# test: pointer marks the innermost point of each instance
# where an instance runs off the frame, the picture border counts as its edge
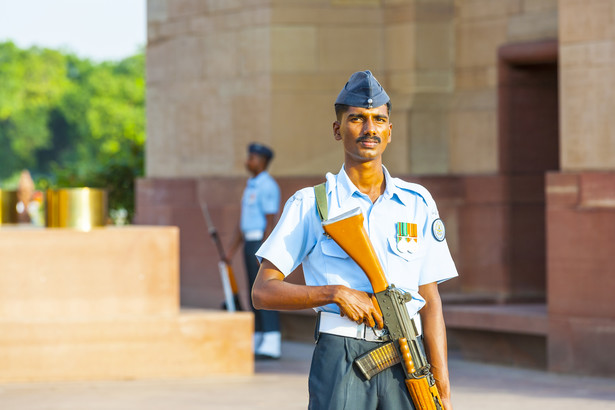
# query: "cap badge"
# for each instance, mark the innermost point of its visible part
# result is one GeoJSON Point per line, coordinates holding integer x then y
{"type": "Point", "coordinates": [438, 230]}
{"type": "Point", "coordinates": [407, 237]}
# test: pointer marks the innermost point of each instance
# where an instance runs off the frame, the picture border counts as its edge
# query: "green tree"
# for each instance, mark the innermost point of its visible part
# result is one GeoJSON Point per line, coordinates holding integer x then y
{"type": "Point", "coordinates": [73, 122]}
{"type": "Point", "coordinates": [31, 84]}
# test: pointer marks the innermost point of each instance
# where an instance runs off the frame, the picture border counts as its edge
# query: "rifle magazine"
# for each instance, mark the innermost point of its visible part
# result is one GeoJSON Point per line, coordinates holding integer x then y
{"type": "Point", "coordinates": [377, 360]}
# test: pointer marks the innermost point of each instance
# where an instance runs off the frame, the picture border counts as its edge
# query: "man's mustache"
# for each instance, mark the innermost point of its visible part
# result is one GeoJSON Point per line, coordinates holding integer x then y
{"type": "Point", "coordinates": [368, 138]}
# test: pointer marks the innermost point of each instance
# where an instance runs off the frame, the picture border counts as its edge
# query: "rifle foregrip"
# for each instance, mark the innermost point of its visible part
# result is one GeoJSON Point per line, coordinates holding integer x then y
{"type": "Point", "coordinates": [424, 396]}
{"type": "Point", "coordinates": [406, 356]}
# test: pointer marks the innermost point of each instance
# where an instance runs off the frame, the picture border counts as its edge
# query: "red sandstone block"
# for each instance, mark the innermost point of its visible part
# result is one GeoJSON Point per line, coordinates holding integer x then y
{"type": "Point", "coordinates": [581, 275]}
{"type": "Point", "coordinates": [485, 189]}
{"type": "Point", "coordinates": [581, 345]}
{"type": "Point", "coordinates": [562, 189]}
{"type": "Point", "coordinates": [482, 244]}
{"type": "Point", "coordinates": [597, 189]}
{"type": "Point", "coordinates": [171, 191]}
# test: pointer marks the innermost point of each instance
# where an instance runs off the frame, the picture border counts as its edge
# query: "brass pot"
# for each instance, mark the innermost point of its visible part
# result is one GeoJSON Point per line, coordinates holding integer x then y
{"type": "Point", "coordinates": [8, 207]}
{"type": "Point", "coordinates": [78, 208]}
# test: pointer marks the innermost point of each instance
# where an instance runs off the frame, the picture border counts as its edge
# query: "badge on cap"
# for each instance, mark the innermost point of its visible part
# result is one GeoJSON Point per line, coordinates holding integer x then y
{"type": "Point", "coordinates": [407, 237]}
{"type": "Point", "coordinates": [438, 230]}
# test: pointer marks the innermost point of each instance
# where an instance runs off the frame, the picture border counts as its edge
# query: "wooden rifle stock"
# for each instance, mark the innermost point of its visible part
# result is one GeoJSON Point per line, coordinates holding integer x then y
{"type": "Point", "coordinates": [348, 232]}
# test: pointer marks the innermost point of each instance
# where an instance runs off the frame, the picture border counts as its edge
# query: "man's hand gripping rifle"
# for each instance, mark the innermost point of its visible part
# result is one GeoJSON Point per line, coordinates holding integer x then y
{"type": "Point", "coordinates": [404, 344]}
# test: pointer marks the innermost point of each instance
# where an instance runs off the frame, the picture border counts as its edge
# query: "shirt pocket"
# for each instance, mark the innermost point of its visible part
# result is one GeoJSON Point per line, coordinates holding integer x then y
{"type": "Point", "coordinates": [404, 255]}
{"type": "Point", "coordinates": [330, 248]}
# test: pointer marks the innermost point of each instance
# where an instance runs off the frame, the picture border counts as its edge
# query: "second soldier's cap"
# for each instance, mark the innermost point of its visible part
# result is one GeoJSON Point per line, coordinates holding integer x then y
{"type": "Point", "coordinates": [260, 149]}
{"type": "Point", "coordinates": [362, 90]}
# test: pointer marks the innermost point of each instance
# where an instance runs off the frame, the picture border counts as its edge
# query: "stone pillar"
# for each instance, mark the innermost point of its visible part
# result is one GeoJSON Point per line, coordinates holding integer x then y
{"type": "Point", "coordinates": [581, 273]}
{"type": "Point", "coordinates": [208, 85]}
{"type": "Point", "coordinates": [587, 50]}
{"type": "Point", "coordinates": [428, 61]}
{"type": "Point", "coordinates": [492, 220]}
{"type": "Point", "coordinates": [581, 199]}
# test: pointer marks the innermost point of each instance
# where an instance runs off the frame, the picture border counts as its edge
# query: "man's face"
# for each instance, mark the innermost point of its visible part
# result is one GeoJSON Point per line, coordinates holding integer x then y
{"type": "Point", "coordinates": [365, 133]}
{"type": "Point", "coordinates": [255, 163]}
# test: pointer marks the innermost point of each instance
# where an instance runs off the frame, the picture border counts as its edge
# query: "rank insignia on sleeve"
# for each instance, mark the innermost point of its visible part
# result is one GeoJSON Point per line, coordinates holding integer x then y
{"type": "Point", "coordinates": [438, 230]}
{"type": "Point", "coordinates": [407, 237]}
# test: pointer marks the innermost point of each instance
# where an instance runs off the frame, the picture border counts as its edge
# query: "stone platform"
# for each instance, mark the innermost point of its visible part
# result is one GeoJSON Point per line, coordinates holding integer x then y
{"type": "Point", "coordinates": [104, 304]}
{"type": "Point", "coordinates": [513, 334]}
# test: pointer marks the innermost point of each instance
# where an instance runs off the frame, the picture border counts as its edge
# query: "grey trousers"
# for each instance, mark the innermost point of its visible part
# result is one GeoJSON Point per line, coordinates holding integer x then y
{"type": "Point", "coordinates": [336, 384]}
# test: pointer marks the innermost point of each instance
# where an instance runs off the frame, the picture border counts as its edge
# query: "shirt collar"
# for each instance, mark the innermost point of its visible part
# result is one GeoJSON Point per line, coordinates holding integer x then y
{"type": "Point", "coordinates": [345, 187]}
{"type": "Point", "coordinates": [392, 191]}
{"type": "Point", "coordinates": [261, 175]}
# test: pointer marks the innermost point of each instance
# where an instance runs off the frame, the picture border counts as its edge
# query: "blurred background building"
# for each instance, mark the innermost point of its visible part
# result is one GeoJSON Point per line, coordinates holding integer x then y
{"type": "Point", "coordinates": [502, 109]}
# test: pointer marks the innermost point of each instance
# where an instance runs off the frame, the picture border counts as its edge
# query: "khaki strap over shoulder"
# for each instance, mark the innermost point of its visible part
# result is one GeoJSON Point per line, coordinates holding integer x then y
{"type": "Point", "coordinates": [321, 201]}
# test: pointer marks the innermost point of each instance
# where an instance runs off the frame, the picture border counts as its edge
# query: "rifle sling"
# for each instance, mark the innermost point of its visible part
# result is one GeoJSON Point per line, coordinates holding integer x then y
{"type": "Point", "coordinates": [321, 201]}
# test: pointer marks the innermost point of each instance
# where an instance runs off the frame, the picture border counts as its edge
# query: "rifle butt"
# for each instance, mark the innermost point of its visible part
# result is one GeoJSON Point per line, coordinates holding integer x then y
{"type": "Point", "coordinates": [229, 302]}
{"type": "Point", "coordinates": [231, 278]}
{"type": "Point", "coordinates": [348, 232]}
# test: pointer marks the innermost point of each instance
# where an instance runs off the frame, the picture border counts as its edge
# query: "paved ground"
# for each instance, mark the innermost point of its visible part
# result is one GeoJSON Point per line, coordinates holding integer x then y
{"type": "Point", "coordinates": [283, 385]}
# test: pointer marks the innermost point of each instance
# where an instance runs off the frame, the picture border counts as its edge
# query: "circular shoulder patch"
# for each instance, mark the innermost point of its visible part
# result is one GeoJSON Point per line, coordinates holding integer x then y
{"type": "Point", "coordinates": [438, 230]}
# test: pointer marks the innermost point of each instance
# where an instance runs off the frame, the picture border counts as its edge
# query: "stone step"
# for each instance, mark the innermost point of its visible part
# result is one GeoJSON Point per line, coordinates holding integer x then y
{"type": "Point", "coordinates": [530, 318]}
{"type": "Point", "coordinates": [195, 343]}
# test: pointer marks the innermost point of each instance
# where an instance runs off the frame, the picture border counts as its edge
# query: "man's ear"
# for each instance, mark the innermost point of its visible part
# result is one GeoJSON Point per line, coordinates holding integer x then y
{"type": "Point", "coordinates": [336, 131]}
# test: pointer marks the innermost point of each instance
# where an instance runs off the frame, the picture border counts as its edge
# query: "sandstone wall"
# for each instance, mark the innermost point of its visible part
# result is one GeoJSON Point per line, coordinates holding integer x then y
{"type": "Point", "coordinates": [481, 27]}
{"type": "Point", "coordinates": [587, 67]}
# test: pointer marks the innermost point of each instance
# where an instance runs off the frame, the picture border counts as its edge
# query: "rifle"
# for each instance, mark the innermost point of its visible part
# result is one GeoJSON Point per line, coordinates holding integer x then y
{"type": "Point", "coordinates": [404, 344]}
{"type": "Point", "coordinates": [229, 284]}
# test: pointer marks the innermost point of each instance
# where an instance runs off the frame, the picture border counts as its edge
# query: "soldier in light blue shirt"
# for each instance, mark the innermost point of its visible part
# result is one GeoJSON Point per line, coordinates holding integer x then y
{"type": "Point", "coordinates": [259, 204]}
{"type": "Point", "coordinates": [403, 224]}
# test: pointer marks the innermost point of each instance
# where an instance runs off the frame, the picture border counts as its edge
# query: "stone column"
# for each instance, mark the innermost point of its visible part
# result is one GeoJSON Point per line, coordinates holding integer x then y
{"type": "Point", "coordinates": [581, 199]}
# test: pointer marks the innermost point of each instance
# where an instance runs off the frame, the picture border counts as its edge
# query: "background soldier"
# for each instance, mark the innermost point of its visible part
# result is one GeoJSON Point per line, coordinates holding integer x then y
{"type": "Point", "coordinates": [259, 205]}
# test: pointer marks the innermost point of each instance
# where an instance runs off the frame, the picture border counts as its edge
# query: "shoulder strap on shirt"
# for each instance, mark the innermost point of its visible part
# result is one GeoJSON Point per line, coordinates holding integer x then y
{"type": "Point", "coordinates": [321, 201]}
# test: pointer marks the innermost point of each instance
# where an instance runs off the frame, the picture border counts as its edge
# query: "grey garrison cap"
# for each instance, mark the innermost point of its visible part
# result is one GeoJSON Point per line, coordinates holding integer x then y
{"type": "Point", "coordinates": [260, 149]}
{"type": "Point", "coordinates": [362, 90]}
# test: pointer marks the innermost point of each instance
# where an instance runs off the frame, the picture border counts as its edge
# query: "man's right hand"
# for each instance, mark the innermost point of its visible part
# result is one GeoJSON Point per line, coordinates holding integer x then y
{"type": "Point", "coordinates": [358, 306]}
{"type": "Point", "coordinates": [272, 292]}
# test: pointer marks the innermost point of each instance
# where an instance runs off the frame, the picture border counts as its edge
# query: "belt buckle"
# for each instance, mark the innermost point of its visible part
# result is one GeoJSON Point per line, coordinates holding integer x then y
{"type": "Point", "coordinates": [371, 334]}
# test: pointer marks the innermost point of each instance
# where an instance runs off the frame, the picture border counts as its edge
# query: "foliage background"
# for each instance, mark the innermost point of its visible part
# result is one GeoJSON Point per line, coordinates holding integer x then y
{"type": "Point", "coordinates": [72, 122]}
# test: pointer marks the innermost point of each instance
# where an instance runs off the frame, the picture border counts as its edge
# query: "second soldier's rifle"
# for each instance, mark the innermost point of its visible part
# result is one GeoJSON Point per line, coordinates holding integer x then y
{"type": "Point", "coordinates": [229, 284]}
{"type": "Point", "coordinates": [404, 344]}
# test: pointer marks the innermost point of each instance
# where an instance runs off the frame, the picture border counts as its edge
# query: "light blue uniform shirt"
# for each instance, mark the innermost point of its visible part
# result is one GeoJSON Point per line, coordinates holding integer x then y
{"type": "Point", "coordinates": [261, 197]}
{"type": "Point", "coordinates": [298, 238]}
